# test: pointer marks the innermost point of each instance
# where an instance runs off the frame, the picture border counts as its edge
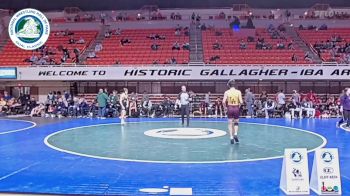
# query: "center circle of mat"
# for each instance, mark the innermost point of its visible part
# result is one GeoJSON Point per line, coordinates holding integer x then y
{"type": "Point", "coordinates": [130, 142]}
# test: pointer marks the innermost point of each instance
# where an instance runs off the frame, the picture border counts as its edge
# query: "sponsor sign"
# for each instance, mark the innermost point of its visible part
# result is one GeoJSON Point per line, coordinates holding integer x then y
{"type": "Point", "coordinates": [184, 73]}
{"type": "Point", "coordinates": [325, 176]}
{"type": "Point", "coordinates": [295, 172]}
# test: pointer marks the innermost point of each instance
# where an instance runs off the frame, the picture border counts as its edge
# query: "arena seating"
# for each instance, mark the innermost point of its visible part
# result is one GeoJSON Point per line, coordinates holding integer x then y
{"type": "Point", "coordinates": [232, 54]}
{"type": "Point", "coordinates": [139, 50]}
{"type": "Point", "coordinates": [12, 55]}
{"type": "Point", "coordinates": [314, 36]}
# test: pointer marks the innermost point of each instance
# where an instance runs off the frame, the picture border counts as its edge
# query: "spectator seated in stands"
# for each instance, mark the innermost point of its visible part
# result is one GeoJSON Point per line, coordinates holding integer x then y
{"type": "Point", "coordinates": [290, 46]}
{"type": "Point", "coordinates": [222, 15]}
{"type": "Point", "coordinates": [186, 46]}
{"type": "Point", "coordinates": [323, 27]}
{"type": "Point", "coordinates": [155, 46]}
{"type": "Point", "coordinates": [98, 47]}
{"type": "Point", "coordinates": [67, 33]}
{"type": "Point", "coordinates": [295, 58]}
{"type": "Point", "coordinates": [156, 62]}
{"type": "Point", "coordinates": [186, 32]}
{"type": "Point", "coordinates": [177, 32]}
{"type": "Point", "coordinates": [308, 57]}
{"type": "Point", "coordinates": [76, 52]}
{"type": "Point", "coordinates": [125, 41]}
{"type": "Point", "coordinates": [202, 27]}
{"type": "Point", "coordinates": [71, 40]}
{"type": "Point", "coordinates": [92, 54]}
{"type": "Point", "coordinates": [173, 61]}
{"type": "Point", "coordinates": [242, 44]}
{"type": "Point", "coordinates": [280, 45]}
{"type": "Point", "coordinates": [118, 31]}
{"type": "Point", "coordinates": [269, 108]}
{"type": "Point", "coordinates": [156, 36]}
{"type": "Point", "coordinates": [176, 46]}
{"type": "Point", "coordinates": [250, 39]}
{"type": "Point", "coordinates": [176, 16]}
{"type": "Point", "coordinates": [33, 59]}
{"type": "Point", "coordinates": [217, 45]}
{"type": "Point", "coordinates": [215, 58]}
{"type": "Point", "coordinates": [81, 41]}
{"type": "Point", "coordinates": [107, 34]}
{"type": "Point", "coordinates": [178, 27]}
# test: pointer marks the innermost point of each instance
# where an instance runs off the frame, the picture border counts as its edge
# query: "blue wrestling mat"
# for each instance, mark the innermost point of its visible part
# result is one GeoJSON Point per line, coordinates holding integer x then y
{"type": "Point", "coordinates": [99, 157]}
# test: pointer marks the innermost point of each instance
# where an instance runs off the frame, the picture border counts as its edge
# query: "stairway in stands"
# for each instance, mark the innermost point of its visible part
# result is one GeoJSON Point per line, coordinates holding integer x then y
{"type": "Point", "coordinates": [196, 46]}
{"type": "Point", "coordinates": [99, 39]}
{"type": "Point", "coordinates": [299, 42]}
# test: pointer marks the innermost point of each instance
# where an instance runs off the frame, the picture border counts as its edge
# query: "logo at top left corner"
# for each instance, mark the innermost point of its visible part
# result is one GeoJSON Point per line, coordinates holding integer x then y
{"type": "Point", "coordinates": [29, 29]}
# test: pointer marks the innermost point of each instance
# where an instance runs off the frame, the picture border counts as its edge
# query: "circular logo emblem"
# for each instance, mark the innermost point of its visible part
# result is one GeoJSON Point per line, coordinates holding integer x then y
{"type": "Point", "coordinates": [29, 29]}
{"type": "Point", "coordinates": [327, 157]}
{"type": "Point", "coordinates": [185, 133]}
{"type": "Point", "coordinates": [296, 157]}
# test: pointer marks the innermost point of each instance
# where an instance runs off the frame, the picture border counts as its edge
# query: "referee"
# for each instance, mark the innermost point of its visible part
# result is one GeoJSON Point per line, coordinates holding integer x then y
{"type": "Point", "coordinates": [184, 98]}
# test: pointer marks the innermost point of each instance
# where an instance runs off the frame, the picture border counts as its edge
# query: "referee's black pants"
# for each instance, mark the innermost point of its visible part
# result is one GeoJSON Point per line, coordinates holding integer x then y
{"type": "Point", "coordinates": [346, 114]}
{"type": "Point", "coordinates": [185, 110]}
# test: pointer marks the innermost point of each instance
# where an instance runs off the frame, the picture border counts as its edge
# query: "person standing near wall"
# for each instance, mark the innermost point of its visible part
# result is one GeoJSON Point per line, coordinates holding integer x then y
{"type": "Point", "coordinates": [249, 101]}
{"type": "Point", "coordinates": [102, 99]}
{"type": "Point", "coordinates": [345, 103]}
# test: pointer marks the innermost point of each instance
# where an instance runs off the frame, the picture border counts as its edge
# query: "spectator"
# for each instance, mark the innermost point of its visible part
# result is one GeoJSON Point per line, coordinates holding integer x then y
{"type": "Point", "coordinates": [177, 33]}
{"type": "Point", "coordinates": [291, 46]}
{"type": "Point", "coordinates": [98, 47]}
{"type": "Point", "coordinates": [217, 45]}
{"type": "Point", "coordinates": [294, 58]}
{"type": "Point", "coordinates": [92, 54]}
{"type": "Point", "coordinates": [155, 46]}
{"type": "Point", "coordinates": [269, 107]}
{"type": "Point", "coordinates": [81, 41]}
{"type": "Point", "coordinates": [280, 45]}
{"type": "Point", "coordinates": [249, 100]}
{"type": "Point", "coordinates": [214, 58]}
{"type": "Point", "coordinates": [107, 34]}
{"type": "Point", "coordinates": [173, 61]}
{"type": "Point", "coordinates": [295, 98]}
{"type": "Point", "coordinates": [308, 107]}
{"type": "Point", "coordinates": [38, 110]}
{"type": "Point", "coordinates": [7, 96]}
{"type": "Point", "coordinates": [219, 107]}
{"type": "Point", "coordinates": [311, 96]}
{"type": "Point", "coordinates": [102, 102]}
{"type": "Point", "coordinates": [125, 41]}
{"type": "Point", "coordinates": [76, 53]}
{"type": "Point", "coordinates": [295, 107]}
{"type": "Point", "coordinates": [308, 56]}
{"type": "Point", "coordinates": [242, 45]}
{"type": "Point", "coordinates": [186, 46]}
{"type": "Point", "coordinates": [2, 104]}
{"type": "Point", "coordinates": [263, 97]}
{"type": "Point", "coordinates": [118, 31]}
{"type": "Point", "coordinates": [281, 103]}
{"type": "Point", "coordinates": [176, 46]}
{"type": "Point", "coordinates": [71, 40]}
